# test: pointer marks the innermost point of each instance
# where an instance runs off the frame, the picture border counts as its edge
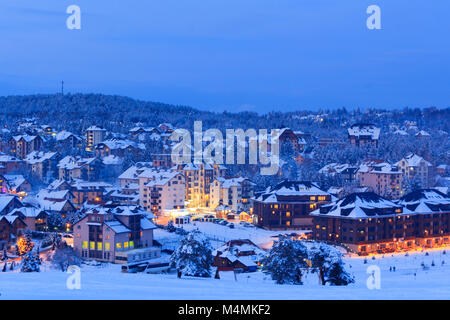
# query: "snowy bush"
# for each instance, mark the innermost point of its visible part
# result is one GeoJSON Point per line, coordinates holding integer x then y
{"type": "Point", "coordinates": [194, 256]}
{"type": "Point", "coordinates": [64, 256]}
{"type": "Point", "coordinates": [285, 261]}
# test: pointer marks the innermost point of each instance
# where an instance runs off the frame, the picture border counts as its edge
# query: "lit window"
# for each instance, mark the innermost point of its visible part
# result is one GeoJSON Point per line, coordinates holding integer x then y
{"type": "Point", "coordinates": [99, 246]}
{"type": "Point", "coordinates": [125, 244]}
{"type": "Point", "coordinates": [312, 198]}
{"type": "Point", "coordinates": [85, 244]}
{"type": "Point", "coordinates": [92, 245]}
{"type": "Point", "coordinates": [131, 244]}
{"type": "Point", "coordinates": [107, 246]}
{"type": "Point", "coordinates": [119, 245]}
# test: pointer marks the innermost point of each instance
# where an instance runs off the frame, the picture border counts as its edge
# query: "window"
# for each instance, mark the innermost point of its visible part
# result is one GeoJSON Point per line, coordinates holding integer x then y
{"type": "Point", "coordinates": [125, 244]}
{"type": "Point", "coordinates": [92, 245]}
{"type": "Point", "coordinates": [107, 246]}
{"type": "Point", "coordinates": [99, 246]}
{"type": "Point", "coordinates": [119, 245]}
{"type": "Point", "coordinates": [131, 244]}
{"type": "Point", "coordinates": [312, 198]}
{"type": "Point", "coordinates": [85, 244]}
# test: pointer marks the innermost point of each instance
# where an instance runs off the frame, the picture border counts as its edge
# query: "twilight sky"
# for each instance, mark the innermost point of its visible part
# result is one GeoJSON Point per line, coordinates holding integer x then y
{"type": "Point", "coordinates": [257, 55]}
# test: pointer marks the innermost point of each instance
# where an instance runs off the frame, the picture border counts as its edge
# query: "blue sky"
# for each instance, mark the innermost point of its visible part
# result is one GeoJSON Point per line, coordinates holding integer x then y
{"type": "Point", "coordinates": [257, 55]}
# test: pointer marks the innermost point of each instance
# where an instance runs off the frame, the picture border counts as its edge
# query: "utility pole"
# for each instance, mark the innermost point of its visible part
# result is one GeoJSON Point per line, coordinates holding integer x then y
{"type": "Point", "coordinates": [62, 87]}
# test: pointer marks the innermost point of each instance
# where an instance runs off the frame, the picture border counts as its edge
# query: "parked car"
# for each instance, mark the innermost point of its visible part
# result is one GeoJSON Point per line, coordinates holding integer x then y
{"type": "Point", "coordinates": [230, 225]}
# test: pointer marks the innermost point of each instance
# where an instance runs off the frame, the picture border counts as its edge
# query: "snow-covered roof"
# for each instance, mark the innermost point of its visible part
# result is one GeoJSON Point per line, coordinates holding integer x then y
{"type": "Point", "coordinates": [413, 160]}
{"type": "Point", "coordinates": [426, 201]}
{"type": "Point", "coordinates": [422, 133]}
{"type": "Point", "coordinates": [64, 135]}
{"type": "Point", "coordinates": [14, 180]}
{"type": "Point", "coordinates": [133, 172]}
{"type": "Point", "coordinates": [8, 158]}
{"type": "Point", "coordinates": [5, 200]}
{"type": "Point", "coordinates": [117, 226]}
{"type": "Point", "coordinates": [360, 129]}
{"type": "Point", "coordinates": [95, 128]}
{"type": "Point", "coordinates": [360, 205]}
{"type": "Point", "coordinates": [112, 160]}
{"type": "Point", "coordinates": [36, 157]}
{"type": "Point", "coordinates": [116, 144]}
{"type": "Point", "coordinates": [25, 137]}
{"type": "Point", "coordinates": [290, 189]}
{"type": "Point", "coordinates": [29, 212]}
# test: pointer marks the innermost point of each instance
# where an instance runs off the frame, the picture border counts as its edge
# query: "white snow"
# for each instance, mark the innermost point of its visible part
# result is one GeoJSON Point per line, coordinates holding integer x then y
{"type": "Point", "coordinates": [109, 283]}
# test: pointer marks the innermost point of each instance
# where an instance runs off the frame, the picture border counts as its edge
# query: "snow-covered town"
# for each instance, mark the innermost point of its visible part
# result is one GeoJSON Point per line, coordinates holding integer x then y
{"type": "Point", "coordinates": [215, 159]}
{"type": "Point", "coordinates": [108, 199]}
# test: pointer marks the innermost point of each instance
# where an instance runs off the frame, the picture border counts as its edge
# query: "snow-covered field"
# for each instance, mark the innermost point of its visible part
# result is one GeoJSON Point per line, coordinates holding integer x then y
{"type": "Point", "coordinates": [109, 283]}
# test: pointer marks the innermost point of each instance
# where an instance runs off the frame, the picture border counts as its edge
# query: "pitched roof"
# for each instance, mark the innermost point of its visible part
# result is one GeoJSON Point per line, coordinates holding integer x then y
{"type": "Point", "coordinates": [360, 205]}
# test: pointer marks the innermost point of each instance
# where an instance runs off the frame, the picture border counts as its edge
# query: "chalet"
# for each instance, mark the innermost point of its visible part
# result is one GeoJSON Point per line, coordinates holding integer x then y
{"type": "Point", "coordinates": [15, 184]}
{"type": "Point", "coordinates": [131, 175]}
{"type": "Point", "coordinates": [68, 139]}
{"type": "Point", "coordinates": [34, 218]}
{"type": "Point", "coordinates": [120, 235]}
{"type": "Point", "coordinates": [8, 203]}
{"type": "Point", "coordinates": [88, 191]}
{"type": "Point", "coordinates": [42, 164]}
{"type": "Point", "coordinates": [9, 164]}
{"type": "Point", "coordinates": [362, 134]}
{"type": "Point", "coordinates": [11, 227]}
{"type": "Point", "coordinates": [414, 166]}
{"type": "Point", "coordinates": [119, 148]}
{"type": "Point", "coordinates": [290, 141]}
{"type": "Point", "coordinates": [240, 255]}
{"type": "Point", "coordinates": [288, 204]}
{"type": "Point", "coordinates": [88, 169]}
{"type": "Point", "coordinates": [22, 145]}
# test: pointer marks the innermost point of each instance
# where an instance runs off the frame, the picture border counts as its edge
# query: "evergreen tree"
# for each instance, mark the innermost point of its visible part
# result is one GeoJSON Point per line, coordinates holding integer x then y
{"type": "Point", "coordinates": [24, 244]}
{"type": "Point", "coordinates": [285, 261]}
{"type": "Point", "coordinates": [194, 256]}
{"type": "Point", "coordinates": [30, 262]}
{"type": "Point", "coordinates": [328, 262]}
{"type": "Point", "coordinates": [337, 276]}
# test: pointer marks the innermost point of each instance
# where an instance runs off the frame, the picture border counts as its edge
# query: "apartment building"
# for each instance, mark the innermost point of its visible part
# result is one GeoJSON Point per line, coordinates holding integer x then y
{"type": "Point", "coordinates": [161, 190]}
{"type": "Point", "coordinates": [382, 178]}
{"type": "Point", "coordinates": [94, 135]}
{"type": "Point", "coordinates": [234, 193]}
{"type": "Point", "coordinates": [364, 134]}
{"type": "Point", "coordinates": [43, 165]}
{"type": "Point", "coordinates": [288, 204]}
{"type": "Point", "coordinates": [123, 234]}
{"type": "Point", "coordinates": [22, 145]}
{"type": "Point", "coordinates": [367, 222]}
{"type": "Point", "coordinates": [88, 169]}
{"type": "Point", "coordinates": [198, 181]}
{"type": "Point", "coordinates": [416, 167]}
